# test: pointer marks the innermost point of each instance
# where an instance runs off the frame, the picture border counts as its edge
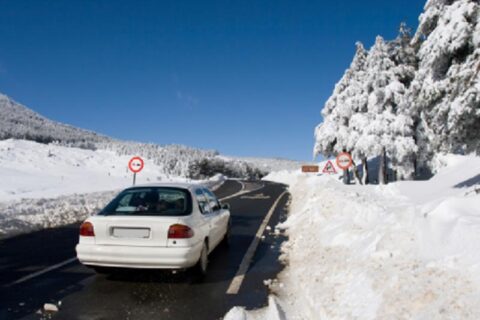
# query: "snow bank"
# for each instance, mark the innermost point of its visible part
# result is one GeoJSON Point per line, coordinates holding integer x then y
{"type": "Point", "coordinates": [283, 176]}
{"type": "Point", "coordinates": [34, 170]}
{"type": "Point", "coordinates": [409, 250]}
{"type": "Point", "coordinates": [28, 215]}
{"type": "Point", "coordinates": [272, 312]}
{"type": "Point", "coordinates": [216, 181]}
{"type": "Point", "coordinates": [44, 186]}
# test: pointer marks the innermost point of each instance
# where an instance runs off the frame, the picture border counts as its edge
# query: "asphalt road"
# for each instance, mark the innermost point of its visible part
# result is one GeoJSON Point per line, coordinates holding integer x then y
{"type": "Point", "coordinates": [137, 294]}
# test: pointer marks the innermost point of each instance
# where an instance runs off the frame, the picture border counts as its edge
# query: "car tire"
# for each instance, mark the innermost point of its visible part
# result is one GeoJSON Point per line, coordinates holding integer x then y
{"type": "Point", "coordinates": [227, 237]}
{"type": "Point", "coordinates": [200, 269]}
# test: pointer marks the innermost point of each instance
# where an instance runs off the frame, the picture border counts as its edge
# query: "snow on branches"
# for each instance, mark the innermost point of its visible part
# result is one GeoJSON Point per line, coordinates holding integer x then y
{"type": "Point", "coordinates": [411, 97]}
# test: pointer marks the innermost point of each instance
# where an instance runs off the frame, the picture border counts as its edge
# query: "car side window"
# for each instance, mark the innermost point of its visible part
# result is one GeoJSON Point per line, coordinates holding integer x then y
{"type": "Point", "coordinates": [212, 200]}
{"type": "Point", "coordinates": [202, 202]}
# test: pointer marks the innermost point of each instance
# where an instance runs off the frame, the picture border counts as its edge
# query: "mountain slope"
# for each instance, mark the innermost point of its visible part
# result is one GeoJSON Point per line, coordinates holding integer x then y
{"type": "Point", "coordinates": [21, 123]}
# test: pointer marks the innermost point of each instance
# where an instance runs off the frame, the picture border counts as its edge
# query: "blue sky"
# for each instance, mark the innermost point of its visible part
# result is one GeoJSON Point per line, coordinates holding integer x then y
{"type": "Point", "coordinates": [247, 78]}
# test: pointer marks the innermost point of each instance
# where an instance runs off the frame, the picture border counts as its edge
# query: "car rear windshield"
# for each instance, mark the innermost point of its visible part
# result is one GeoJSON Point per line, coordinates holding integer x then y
{"type": "Point", "coordinates": [155, 201]}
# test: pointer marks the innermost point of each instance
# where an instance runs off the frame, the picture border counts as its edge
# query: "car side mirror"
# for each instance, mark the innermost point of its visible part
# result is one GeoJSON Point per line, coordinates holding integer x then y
{"type": "Point", "coordinates": [225, 206]}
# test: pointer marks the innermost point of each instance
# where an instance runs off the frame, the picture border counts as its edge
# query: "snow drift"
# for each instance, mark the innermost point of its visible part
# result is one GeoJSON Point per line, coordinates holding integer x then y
{"type": "Point", "coordinates": [46, 186]}
{"type": "Point", "coordinates": [409, 250]}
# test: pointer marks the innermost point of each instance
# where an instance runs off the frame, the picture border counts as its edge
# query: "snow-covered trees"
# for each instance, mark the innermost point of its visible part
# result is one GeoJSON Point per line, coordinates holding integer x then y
{"type": "Point", "coordinates": [334, 134]}
{"type": "Point", "coordinates": [205, 168]}
{"type": "Point", "coordinates": [445, 91]}
{"type": "Point", "coordinates": [19, 122]}
{"type": "Point", "coordinates": [388, 130]}
{"type": "Point", "coordinates": [407, 99]}
{"type": "Point", "coordinates": [363, 116]}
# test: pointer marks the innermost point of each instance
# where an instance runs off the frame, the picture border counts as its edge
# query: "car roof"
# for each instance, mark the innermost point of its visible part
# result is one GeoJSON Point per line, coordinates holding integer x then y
{"type": "Point", "coordinates": [181, 185]}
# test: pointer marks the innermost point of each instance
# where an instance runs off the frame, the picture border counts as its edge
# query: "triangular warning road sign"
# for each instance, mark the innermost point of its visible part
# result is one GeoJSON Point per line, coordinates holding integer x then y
{"type": "Point", "coordinates": [329, 168]}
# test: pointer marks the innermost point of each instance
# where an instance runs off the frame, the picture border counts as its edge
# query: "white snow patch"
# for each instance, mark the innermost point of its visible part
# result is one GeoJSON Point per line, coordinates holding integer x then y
{"type": "Point", "coordinates": [272, 312]}
{"type": "Point", "coordinates": [34, 170]}
{"type": "Point", "coordinates": [45, 186]}
{"type": "Point", "coordinates": [408, 250]}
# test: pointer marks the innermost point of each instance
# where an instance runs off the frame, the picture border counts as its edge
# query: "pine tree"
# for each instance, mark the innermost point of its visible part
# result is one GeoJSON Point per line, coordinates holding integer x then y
{"type": "Point", "coordinates": [335, 135]}
{"type": "Point", "coordinates": [404, 149]}
{"type": "Point", "coordinates": [409, 99]}
{"type": "Point", "coordinates": [386, 129]}
{"type": "Point", "coordinates": [446, 90]}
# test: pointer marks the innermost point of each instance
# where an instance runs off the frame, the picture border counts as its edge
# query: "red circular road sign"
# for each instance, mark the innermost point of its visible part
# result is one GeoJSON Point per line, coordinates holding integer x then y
{"type": "Point", "coordinates": [344, 160]}
{"type": "Point", "coordinates": [136, 164]}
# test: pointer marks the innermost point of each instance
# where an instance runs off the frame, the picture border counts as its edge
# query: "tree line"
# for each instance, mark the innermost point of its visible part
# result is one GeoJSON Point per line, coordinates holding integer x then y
{"type": "Point", "coordinates": [405, 100]}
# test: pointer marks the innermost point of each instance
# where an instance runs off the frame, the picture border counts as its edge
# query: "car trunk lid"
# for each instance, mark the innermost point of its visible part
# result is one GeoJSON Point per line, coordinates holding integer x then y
{"type": "Point", "coordinates": [142, 231]}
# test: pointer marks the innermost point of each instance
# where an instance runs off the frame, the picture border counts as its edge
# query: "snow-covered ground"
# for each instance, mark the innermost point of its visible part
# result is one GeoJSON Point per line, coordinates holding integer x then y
{"type": "Point", "coordinates": [34, 170]}
{"type": "Point", "coordinates": [45, 186]}
{"type": "Point", "coordinates": [26, 215]}
{"type": "Point", "coordinates": [266, 164]}
{"type": "Point", "coordinates": [408, 250]}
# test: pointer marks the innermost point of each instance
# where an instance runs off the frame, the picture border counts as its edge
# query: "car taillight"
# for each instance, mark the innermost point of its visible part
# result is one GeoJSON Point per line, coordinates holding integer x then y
{"type": "Point", "coordinates": [86, 230]}
{"type": "Point", "coordinates": [180, 231]}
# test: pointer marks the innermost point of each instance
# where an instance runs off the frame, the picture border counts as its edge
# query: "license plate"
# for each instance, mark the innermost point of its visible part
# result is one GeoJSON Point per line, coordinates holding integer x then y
{"type": "Point", "coordinates": [131, 233]}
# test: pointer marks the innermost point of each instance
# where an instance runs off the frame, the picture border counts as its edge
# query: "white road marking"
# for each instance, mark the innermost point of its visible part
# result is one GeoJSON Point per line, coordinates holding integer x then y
{"type": "Point", "coordinates": [242, 191]}
{"type": "Point", "coordinates": [247, 259]}
{"type": "Point", "coordinates": [39, 273]}
{"type": "Point", "coordinates": [259, 196]}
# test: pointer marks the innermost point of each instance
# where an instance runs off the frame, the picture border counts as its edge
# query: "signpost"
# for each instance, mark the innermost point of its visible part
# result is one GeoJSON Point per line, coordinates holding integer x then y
{"type": "Point", "coordinates": [135, 165]}
{"type": "Point", "coordinates": [329, 168]}
{"type": "Point", "coordinates": [344, 161]}
{"type": "Point", "coordinates": [310, 169]}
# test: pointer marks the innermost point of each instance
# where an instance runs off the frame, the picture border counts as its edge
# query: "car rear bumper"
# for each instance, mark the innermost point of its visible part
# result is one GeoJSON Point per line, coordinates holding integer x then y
{"type": "Point", "coordinates": [138, 257]}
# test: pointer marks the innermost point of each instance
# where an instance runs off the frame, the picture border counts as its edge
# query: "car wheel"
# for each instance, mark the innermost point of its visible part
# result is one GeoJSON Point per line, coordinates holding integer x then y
{"type": "Point", "coordinates": [227, 237]}
{"type": "Point", "coordinates": [200, 268]}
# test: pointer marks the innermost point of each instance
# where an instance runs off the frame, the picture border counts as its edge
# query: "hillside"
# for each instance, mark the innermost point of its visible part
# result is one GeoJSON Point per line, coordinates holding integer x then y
{"type": "Point", "coordinates": [21, 123]}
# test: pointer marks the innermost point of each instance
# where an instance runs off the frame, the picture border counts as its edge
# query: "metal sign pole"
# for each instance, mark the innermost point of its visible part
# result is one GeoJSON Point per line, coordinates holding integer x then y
{"type": "Point", "coordinates": [135, 165]}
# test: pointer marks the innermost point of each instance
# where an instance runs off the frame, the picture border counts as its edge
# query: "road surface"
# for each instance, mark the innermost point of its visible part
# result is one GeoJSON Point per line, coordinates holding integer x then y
{"type": "Point", "coordinates": [41, 268]}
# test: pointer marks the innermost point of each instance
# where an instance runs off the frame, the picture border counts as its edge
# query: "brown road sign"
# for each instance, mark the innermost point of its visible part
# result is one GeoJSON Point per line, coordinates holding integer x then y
{"type": "Point", "coordinates": [308, 168]}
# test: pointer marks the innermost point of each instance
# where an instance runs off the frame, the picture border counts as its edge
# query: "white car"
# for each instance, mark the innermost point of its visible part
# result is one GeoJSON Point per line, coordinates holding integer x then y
{"type": "Point", "coordinates": [164, 226]}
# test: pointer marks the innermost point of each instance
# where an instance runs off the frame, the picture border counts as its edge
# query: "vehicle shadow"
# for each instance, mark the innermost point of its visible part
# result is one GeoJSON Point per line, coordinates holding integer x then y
{"type": "Point", "coordinates": [223, 264]}
{"type": "Point", "coordinates": [469, 182]}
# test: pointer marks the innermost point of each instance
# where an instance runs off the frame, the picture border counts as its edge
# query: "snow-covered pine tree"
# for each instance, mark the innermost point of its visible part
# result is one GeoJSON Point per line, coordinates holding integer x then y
{"type": "Point", "coordinates": [379, 114]}
{"type": "Point", "coordinates": [357, 99]}
{"type": "Point", "coordinates": [446, 90]}
{"type": "Point", "coordinates": [390, 70]}
{"type": "Point", "coordinates": [403, 151]}
{"type": "Point", "coordinates": [422, 95]}
{"type": "Point", "coordinates": [386, 131]}
{"type": "Point", "coordinates": [333, 135]}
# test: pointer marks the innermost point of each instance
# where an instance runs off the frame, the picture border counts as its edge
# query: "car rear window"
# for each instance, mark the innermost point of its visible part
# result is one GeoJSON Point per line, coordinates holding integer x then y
{"type": "Point", "coordinates": [154, 201]}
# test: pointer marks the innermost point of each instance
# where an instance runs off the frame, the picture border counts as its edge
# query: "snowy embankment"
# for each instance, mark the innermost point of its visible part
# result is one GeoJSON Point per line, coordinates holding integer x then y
{"type": "Point", "coordinates": [46, 186]}
{"type": "Point", "coordinates": [408, 250]}
{"type": "Point", "coordinates": [34, 170]}
{"type": "Point", "coordinates": [27, 215]}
